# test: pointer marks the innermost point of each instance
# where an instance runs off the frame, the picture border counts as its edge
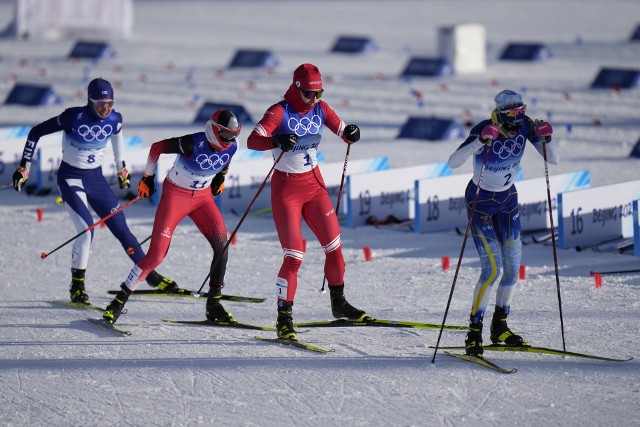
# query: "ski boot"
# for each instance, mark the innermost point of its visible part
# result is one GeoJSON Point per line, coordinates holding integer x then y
{"type": "Point", "coordinates": [500, 332]}
{"type": "Point", "coordinates": [340, 308]}
{"type": "Point", "coordinates": [156, 280]}
{"type": "Point", "coordinates": [284, 325]}
{"type": "Point", "coordinates": [215, 310]}
{"type": "Point", "coordinates": [473, 342]}
{"type": "Point", "coordinates": [78, 293]}
{"type": "Point", "coordinates": [114, 309]}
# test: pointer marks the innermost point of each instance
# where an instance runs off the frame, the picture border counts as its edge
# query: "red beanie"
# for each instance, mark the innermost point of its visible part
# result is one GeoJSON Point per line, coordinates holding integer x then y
{"type": "Point", "coordinates": [307, 77]}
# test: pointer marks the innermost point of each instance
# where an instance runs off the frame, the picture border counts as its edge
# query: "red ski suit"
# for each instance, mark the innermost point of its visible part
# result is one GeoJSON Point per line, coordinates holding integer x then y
{"type": "Point", "coordinates": [297, 187]}
{"type": "Point", "coordinates": [186, 191]}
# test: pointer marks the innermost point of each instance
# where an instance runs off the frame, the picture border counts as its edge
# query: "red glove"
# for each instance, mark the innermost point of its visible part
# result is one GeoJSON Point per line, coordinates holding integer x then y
{"type": "Point", "coordinates": [544, 130]}
{"type": "Point", "coordinates": [489, 133]}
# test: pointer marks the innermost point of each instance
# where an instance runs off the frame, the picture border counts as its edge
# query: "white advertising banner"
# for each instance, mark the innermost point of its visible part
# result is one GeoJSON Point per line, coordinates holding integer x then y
{"type": "Point", "coordinates": [388, 192]}
{"type": "Point", "coordinates": [593, 215]}
{"type": "Point", "coordinates": [441, 205]}
{"type": "Point", "coordinates": [636, 229]}
{"type": "Point", "coordinates": [533, 198]}
{"type": "Point", "coordinates": [245, 178]}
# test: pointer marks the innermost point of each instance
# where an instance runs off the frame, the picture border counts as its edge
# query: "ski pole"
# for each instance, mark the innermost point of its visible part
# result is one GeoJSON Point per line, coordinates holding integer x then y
{"type": "Point", "coordinates": [593, 273]}
{"type": "Point", "coordinates": [553, 241]}
{"type": "Point", "coordinates": [43, 255]}
{"type": "Point", "coordinates": [464, 243]}
{"type": "Point", "coordinates": [131, 249]}
{"type": "Point", "coordinates": [344, 173]}
{"type": "Point", "coordinates": [199, 293]}
{"type": "Point", "coordinates": [595, 246]}
{"type": "Point", "coordinates": [3, 186]}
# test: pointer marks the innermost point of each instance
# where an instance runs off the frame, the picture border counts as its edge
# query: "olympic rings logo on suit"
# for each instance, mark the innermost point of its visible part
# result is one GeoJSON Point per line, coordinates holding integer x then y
{"type": "Point", "coordinates": [95, 132]}
{"type": "Point", "coordinates": [305, 125]}
{"type": "Point", "coordinates": [213, 161]}
{"type": "Point", "coordinates": [509, 147]}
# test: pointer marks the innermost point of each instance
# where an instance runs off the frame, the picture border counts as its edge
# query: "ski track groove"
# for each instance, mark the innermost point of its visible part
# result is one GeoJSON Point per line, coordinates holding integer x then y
{"type": "Point", "coordinates": [342, 398]}
{"type": "Point", "coordinates": [301, 398]}
{"type": "Point", "coordinates": [121, 408]}
{"type": "Point", "coordinates": [183, 403]}
{"type": "Point", "coordinates": [356, 349]}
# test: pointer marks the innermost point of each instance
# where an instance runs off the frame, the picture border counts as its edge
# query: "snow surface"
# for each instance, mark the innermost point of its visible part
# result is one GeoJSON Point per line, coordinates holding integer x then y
{"type": "Point", "coordinates": [58, 369]}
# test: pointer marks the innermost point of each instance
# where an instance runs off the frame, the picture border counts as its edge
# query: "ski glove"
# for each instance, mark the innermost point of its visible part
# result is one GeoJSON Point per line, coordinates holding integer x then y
{"type": "Point", "coordinates": [489, 133]}
{"type": "Point", "coordinates": [124, 179]}
{"type": "Point", "coordinates": [351, 134]}
{"type": "Point", "coordinates": [147, 186]}
{"type": "Point", "coordinates": [285, 141]}
{"type": "Point", "coordinates": [20, 176]}
{"type": "Point", "coordinates": [544, 130]}
{"type": "Point", "coordinates": [217, 185]}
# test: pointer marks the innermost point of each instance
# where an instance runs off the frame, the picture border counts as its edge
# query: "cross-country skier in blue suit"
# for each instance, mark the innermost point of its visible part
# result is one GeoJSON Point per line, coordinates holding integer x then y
{"type": "Point", "coordinates": [495, 225]}
{"type": "Point", "coordinates": [86, 132]}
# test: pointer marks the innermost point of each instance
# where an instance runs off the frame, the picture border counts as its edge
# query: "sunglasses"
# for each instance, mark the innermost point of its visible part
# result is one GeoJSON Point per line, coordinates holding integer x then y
{"type": "Point", "coordinates": [225, 133]}
{"type": "Point", "coordinates": [101, 103]}
{"type": "Point", "coordinates": [311, 94]}
{"type": "Point", "coordinates": [515, 111]}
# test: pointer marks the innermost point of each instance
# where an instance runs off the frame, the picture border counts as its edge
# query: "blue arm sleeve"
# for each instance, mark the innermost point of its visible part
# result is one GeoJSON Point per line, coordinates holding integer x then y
{"type": "Point", "coordinates": [470, 146]}
{"type": "Point", "coordinates": [54, 124]}
{"type": "Point", "coordinates": [531, 130]}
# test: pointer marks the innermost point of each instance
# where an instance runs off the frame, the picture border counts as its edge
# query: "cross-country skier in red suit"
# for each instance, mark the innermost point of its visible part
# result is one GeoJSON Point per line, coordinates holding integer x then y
{"type": "Point", "coordinates": [294, 126]}
{"type": "Point", "coordinates": [196, 176]}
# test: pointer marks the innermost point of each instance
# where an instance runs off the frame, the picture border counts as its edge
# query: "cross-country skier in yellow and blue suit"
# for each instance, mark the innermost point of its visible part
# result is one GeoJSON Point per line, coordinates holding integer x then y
{"type": "Point", "coordinates": [495, 225]}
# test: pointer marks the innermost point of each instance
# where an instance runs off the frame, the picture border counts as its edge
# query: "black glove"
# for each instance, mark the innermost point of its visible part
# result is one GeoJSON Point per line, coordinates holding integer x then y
{"type": "Point", "coordinates": [147, 186]}
{"type": "Point", "coordinates": [351, 134]}
{"type": "Point", "coordinates": [20, 177]}
{"type": "Point", "coordinates": [285, 141]}
{"type": "Point", "coordinates": [217, 185]}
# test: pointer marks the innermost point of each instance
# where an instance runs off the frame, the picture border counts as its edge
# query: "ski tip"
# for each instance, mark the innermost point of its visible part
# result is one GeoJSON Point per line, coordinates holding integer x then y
{"type": "Point", "coordinates": [107, 325]}
{"type": "Point", "coordinates": [479, 360]}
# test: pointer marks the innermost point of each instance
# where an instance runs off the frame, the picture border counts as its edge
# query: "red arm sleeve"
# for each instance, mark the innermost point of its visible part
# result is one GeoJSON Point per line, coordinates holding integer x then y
{"type": "Point", "coordinates": [332, 121]}
{"type": "Point", "coordinates": [260, 138]}
{"type": "Point", "coordinates": [182, 145]}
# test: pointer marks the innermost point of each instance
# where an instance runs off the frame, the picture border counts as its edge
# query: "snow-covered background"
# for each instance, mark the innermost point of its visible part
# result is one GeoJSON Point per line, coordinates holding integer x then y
{"type": "Point", "coordinates": [58, 369]}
